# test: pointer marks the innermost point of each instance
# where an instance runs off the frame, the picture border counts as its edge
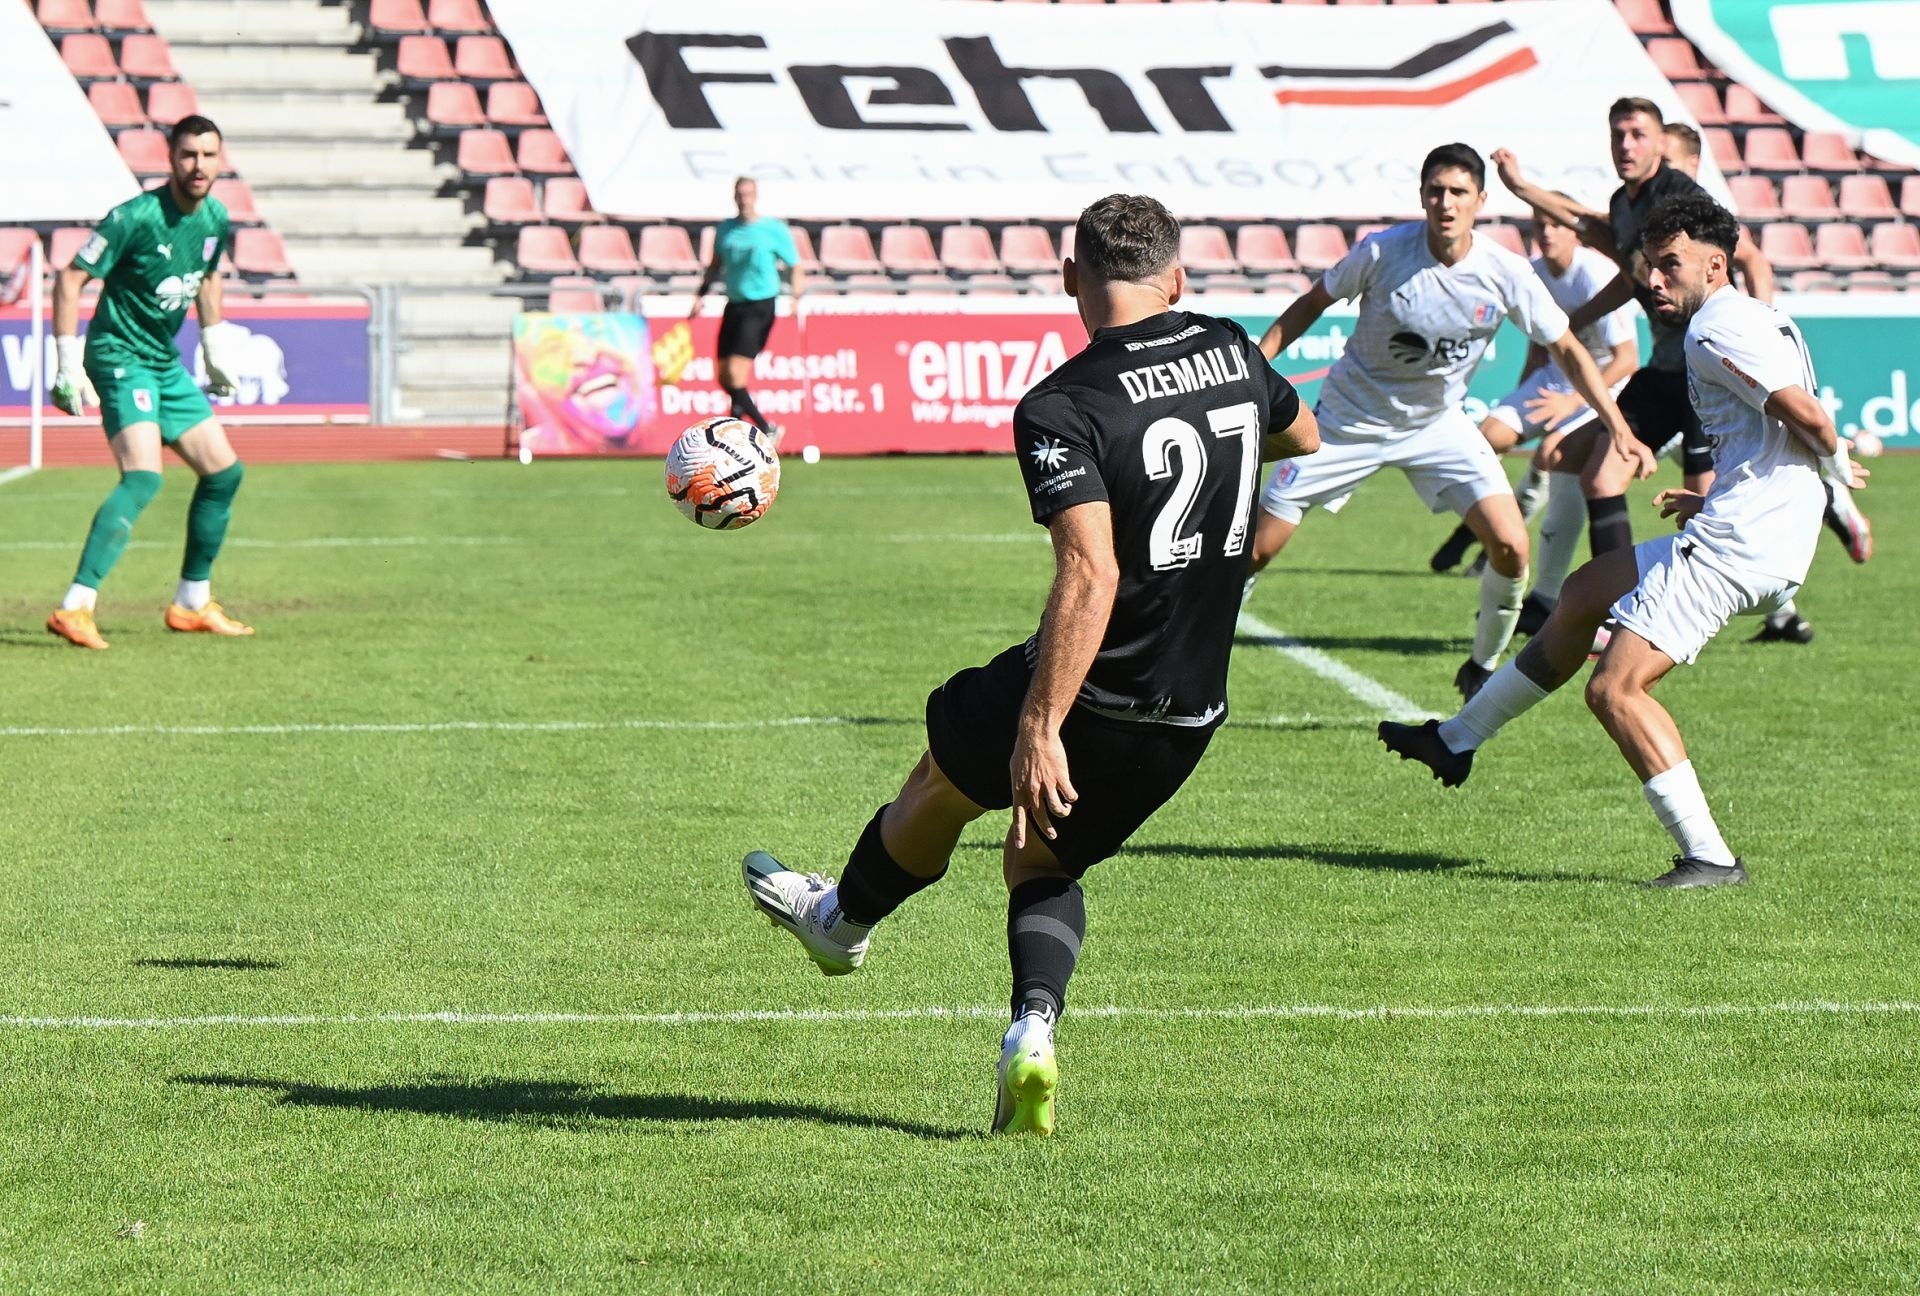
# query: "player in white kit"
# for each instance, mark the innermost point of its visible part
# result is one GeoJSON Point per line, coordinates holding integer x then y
{"type": "Point", "coordinates": [1432, 295]}
{"type": "Point", "coordinates": [1742, 548]}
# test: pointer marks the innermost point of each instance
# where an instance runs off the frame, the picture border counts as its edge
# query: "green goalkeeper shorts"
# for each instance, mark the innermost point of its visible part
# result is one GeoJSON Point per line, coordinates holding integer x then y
{"type": "Point", "coordinates": [136, 393]}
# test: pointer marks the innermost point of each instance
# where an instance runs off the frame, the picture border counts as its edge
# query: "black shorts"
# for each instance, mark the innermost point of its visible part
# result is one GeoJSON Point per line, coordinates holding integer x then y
{"type": "Point", "coordinates": [1656, 405]}
{"type": "Point", "coordinates": [744, 327]}
{"type": "Point", "coordinates": [1123, 770]}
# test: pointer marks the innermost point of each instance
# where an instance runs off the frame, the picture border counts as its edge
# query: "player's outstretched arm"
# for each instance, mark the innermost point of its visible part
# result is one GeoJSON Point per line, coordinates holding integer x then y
{"type": "Point", "coordinates": [1580, 370]}
{"type": "Point", "coordinates": [72, 391]}
{"type": "Point", "coordinates": [1754, 267]}
{"type": "Point", "coordinates": [1617, 293]}
{"type": "Point", "coordinates": [1295, 320]}
{"type": "Point", "coordinates": [1553, 408]}
{"type": "Point", "coordinates": [1086, 576]}
{"type": "Point", "coordinates": [1595, 228]}
{"type": "Point", "coordinates": [1300, 437]}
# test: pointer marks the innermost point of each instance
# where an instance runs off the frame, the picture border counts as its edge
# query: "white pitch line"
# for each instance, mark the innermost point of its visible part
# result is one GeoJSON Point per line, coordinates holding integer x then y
{"type": "Point", "coordinates": [1258, 1012]}
{"type": "Point", "coordinates": [15, 474]}
{"type": "Point", "coordinates": [1367, 689]}
{"type": "Point", "coordinates": [435, 726]}
{"type": "Point", "coordinates": [314, 542]}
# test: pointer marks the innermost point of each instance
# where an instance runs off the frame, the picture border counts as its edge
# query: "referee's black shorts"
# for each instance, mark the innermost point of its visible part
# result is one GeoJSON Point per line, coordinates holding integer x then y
{"type": "Point", "coordinates": [1123, 770]}
{"type": "Point", "coordinates": [1656, 405]}
{"type": "Point", "coordinates": [744, 327]}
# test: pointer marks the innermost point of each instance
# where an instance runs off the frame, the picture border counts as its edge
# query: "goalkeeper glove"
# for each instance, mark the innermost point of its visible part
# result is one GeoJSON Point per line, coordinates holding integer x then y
{"type": "Point", "coordinates": [72, 390]}
{"type": "Point", "coordinates": [218, 347]}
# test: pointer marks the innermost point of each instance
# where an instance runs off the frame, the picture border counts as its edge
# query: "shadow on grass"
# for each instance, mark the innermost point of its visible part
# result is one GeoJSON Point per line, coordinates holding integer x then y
{"type": "Point", "coordinates": [224, 964]}
{"type": "Point", "coordinates": [30, 639]}
{"type": "Point", "coordinates": [1374, 858]}
{"type": "Point", "coordinates": [559, 1103]}
{"type": "Point", "coordinates": [1406, 645]}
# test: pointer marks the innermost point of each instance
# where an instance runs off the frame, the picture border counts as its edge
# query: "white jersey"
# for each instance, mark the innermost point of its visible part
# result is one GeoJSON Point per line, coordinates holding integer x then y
{"type": "Point", "coordinates": [1423, 327]}
{"type": "Point", "coordinates": [1763, 511]}
{"type": "Point", "coordinates": [1589, 272]}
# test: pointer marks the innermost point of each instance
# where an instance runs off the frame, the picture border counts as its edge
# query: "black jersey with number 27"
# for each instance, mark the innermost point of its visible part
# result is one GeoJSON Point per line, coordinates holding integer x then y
{"type": "Point", "coordinates": [1162, 419]}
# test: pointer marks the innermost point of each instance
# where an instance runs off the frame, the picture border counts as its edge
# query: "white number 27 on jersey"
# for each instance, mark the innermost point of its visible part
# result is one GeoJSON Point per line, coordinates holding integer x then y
{"type": "Point", "coordinates": [1167, 545]}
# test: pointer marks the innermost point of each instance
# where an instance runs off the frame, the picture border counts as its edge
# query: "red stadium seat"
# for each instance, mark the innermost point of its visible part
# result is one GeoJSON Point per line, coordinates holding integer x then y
{"type": "Point", "coordinates": [1204, 250]}
{"type": "Point", "coordinates": [261, 252]}
{"type": "Point", "coordinates": [65, 17]}
{"type": "Point", "coordinates": [1842, 246]}
{"type": "Point", "coordinates": [148, 58]}
{"type": "Point", "coordinates": [1703, 101]}
{"type": "Point", "coordinates": [122, 15]}
{"type": "Point", "coordinates": [666, 249]}
{"type": "Point", "coordinates": [1675, 59]}
{"type": "Point", "coordinates": [564, 199]}
{"type": "Point", "coordinates": [544, 250]}
{"type": "Point", "coordinates": [1895, 246]}
{"type": "Point", "coordinates": [16, 244]}
{"type": "Point", "coordinates": [541, 152]}
{"type": "Point", "coordinates": [389, 20]}
{"type": "Point", "coordinates": [1788, 247]}
{"type": "Point", "coordinates": [116, 104]}
{"type": "Point", "coordinates": [1870, 281]}
{"type": "Point", "coordinates": [803, 244]}
{"type": "Point", "coordinates": [484, 58]}
{"type": "Point", "coordinates": [1364, 232]}
{"type": "Point", "coordinates": [237, 197]}
{"type": "Point", "coordinates": [1643, 16]}
{"type": "Point", "coordinates": [509, 201]}
{"type": "Point", "coordinates": [1744, 108]}
{"type": "Point", "coordinates": [969, 250]}
{"type": "Point", "coordinates": [992, 285]}
{"type": "Point", "coordinates": [1052, 285]}
{"type": "Point", "coordinates": [1507, 236]}
{"type": "Point", "coordinates": [513, 103]}
{"type": "Point", "coordinates": [1754, 198]}
{"type": "Point", "coordinates": [1910, 196]}
{"type": "Point", "coordinates": [1807, 198]}
{"type": "Point", "coordinates": [1719, 142]}
{"type": "Point", "coordinates": [931, 282]}
{"type": "Point", "coordinates": [1067, 235]}
{"type": "Point", "coordinates": [1028, 249]}
{"type": "Point", "coordinates": [1770, 148]}
{"type": "Point", "coordinates": [1295, 284]}
{"type": "Point", "coordinates": [607, 249]}
{"type": "Point", "coordinates": [169, 101]}
{"type": "Point", "coordinates": [1828, 151]}
{"type": "Point", "coordinates": [869, 285]}
{"type": "Point", "coordinates": [88, 55]}
{"type": "Point", "coordinates": [847, 249]}
{"type": "Point", "coordinates": [1812, 281]}
{"type": "Point", "coordinates": [1319, 246]}
{"type": "Point", "coordinates": [454, 106]}
{"type": "Point", "coordinates": [64, 243]}
{"type": "Point", "coordinates": [1263, 249]}
{"type": "Point", "coordinates": [459, 17]}
{"type": "Point", "coordinates": [486, 152]}
{"type": "Point", "coordinates": [1866, 197]}
{"type": "Point", "coordinates": [574, 295]}
{"type": "Point", "coordinates": [145, 151]}
{"type": "Point", "coordinates": [908, 249]}
{"type": "Point", "coordinates": [422, 59]}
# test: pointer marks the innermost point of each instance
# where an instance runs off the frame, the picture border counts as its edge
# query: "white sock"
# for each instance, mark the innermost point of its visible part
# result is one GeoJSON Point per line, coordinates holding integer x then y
{"type": "Point", "coordinates": [1499, 609]}
{"type": "Point", "coordinates": [1500, 699]}
{"type": "Point", "coordinates": [837, 925]}
{"type": "Point", "coordinates": [194, 595]}
{"type": "Point", "coordinates": [1560, 532]}
{"type": "Point", "coordinates": [1022, 1030]}
{"type": "Point", "coordinates": [1681, 807]}
{"type": "Point", "coordinates": [1246, 591]}
{"type": "Point", "coordinates": [1532, 493]}
{"type": "Point", "coordinates": [78, 596]}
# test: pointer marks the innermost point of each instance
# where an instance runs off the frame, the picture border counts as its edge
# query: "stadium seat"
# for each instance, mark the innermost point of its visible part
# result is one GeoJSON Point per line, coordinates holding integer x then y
{"type": "Point", "coordinates": [1807, 198]}
{"type": "Point", "coordinates": [1812, 281]}
{"type": "Point", "coordinates": [623, 292]}
{"type": "Point", "coordinates": [1643, 16]}
{"type": "Point", "coordinates": [803, 244]}
{"type": "Point", "coordinates": [908, 249]}
{"type": "Point", "coordinates": [261, 253]}
{"type": "Point", "coordinates": [1675, 58]}
{"type": "Point", "coordinates": [1871, 281]}
{"type": "Point", "coordinates": [1362, 232]}
{"type": "Point", "coordinates": [509, 201]}
{"type": "Point", "coordinates": [145, 151]}
{"type": "Point", "coordinates": [1745, 109]}
{"type": "Point", "coordinates": [608, 249]}
{"type": "Point", "coordinates": [1895, 246]}
{"type": "Point", "coordinates": [993, 285]}
{"type": "Point", "coordinates": [16, 244]}
{"type": "Point", "coordinates": [422, 60]}
{"type": "Point", "coordinates": [88, 55]}
{"type": "Point", "coordinates": [1295, 283]}
{"type": "Point", "coordinates": [514, 103]}
{"type": "Point", "coordinates": [116, 104]}
{"type": "Point", "coordinates": [1204, 250]}
{"type": "Point", "coordinates": [847, 249]}
{"type": "Point", "coordinates": [122, 15]}
{"type": "Point", "coordinates": [484, 58]}
{"type": "Point", "coordinates": [64, 17]}
{"type": "Point", "coordinates": [453, 106]}
{"type": "Point", "coordinates": [1842, 245]}
{"type": "Point", "coordinates": [1719, 142]}
{"type": "Point", "coordinates": [1910, 196]}
{"type": "Point", "coordinates": [869, 285]}
{"type": "Point", "coordinates": [968, 249]}
{"type": "Point", "coordinates": [169, 101]}
{"type": "Point", "coordinates": [574, 295]}
{"type": "Point", "coordinates": [929, 282]}
{"type": "Point", "coordinates": [1319, 246]}
{"type": "Point", "coordinates": [666, 250]}
{"type": "Point", "coordinates": [147, 58]}
{"type": "Point", "coordinates": [389, 20]}
{"type": "Point", "coordinates": [1787, 246]}
{"type": "Point", "coordinates": [1703, 101]}
{"type": "Point", "coordinates": [1827, 151]}
{"type": "Point", "coordinates": [485, 152]}
{"type": "Point", "coordinates": [459, 17]}
{"type": "Point", "coordinates": [237, 197]}
{"type": "Point", "coordinates": [564, 199]}
{"type": "Point", "coordinates": [1770, 148]}
{"type": "Point", "coordinates": [544, 250]}
{"type": "Point", "coordinates": [1028, 249]}
{"type": "Point", "coordinates": [1755, 198]}
{"type": "Point", "coordinates": [1263, 249]}
{"type": "Point", "coordinates": [1866, 197]}
{"type": "Point", "coordinates": [1067, 235]}
{"type": "Point", "coordinates": [541, 152]}
{"type": "Point", "coordinates": [1507, 236]}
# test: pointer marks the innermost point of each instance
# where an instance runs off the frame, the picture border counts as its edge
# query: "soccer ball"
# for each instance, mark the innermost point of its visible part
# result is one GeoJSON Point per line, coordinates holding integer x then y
{"type": "Point", "coordinates": [723, 473]}
{"type": "Point", "coordinates": [1866, 445]}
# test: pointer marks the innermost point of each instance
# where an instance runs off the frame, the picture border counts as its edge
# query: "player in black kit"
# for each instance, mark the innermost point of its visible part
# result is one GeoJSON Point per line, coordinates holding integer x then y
{"type": "Point", "coordinates": [1140, 455]}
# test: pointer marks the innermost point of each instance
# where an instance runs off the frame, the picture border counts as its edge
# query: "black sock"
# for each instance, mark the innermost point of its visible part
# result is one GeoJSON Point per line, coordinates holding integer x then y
{"type": "Point", "coordinates": [1046, 921]}
{"type": "Point", "coordinates": [743, 407]}
{"type": "Point", "coordinates": [873, 885]}
{"type": "Point", "coordinates": [1609, 526]}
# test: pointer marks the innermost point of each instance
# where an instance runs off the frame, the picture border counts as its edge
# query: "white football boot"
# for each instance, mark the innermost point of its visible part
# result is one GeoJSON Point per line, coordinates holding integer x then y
{"type": "Point", "coordinates": [795, 901]}
{"type": "Point", "coordinates": [1029, 1074]}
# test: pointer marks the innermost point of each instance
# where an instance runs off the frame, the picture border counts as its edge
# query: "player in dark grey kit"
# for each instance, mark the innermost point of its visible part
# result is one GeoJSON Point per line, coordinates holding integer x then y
{"type": "Point", "coordinates": [1141, 456]}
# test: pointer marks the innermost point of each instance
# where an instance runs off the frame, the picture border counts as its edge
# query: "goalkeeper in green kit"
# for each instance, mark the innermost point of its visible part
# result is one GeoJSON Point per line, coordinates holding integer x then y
{"type": "Point", "coordinates": [154, 253]}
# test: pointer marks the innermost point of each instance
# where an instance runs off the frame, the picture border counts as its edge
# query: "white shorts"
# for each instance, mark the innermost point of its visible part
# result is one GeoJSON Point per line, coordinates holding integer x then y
{"type": "Point", "coordinates": [1449, 463]}
{"type": "Point", "coordinates": [1687, 594]}
{"type": "Point", "coordinates": [1511, 409]}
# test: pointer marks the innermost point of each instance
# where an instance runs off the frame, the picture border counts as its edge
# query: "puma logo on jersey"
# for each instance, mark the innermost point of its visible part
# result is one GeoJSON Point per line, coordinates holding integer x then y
{"type": "Point", "coordinates": [1214, 367]}
{"type": "Point", "coordinates": [166, 249]}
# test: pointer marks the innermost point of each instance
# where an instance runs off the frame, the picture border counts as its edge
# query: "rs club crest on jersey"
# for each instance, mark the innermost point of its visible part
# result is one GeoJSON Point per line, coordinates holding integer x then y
{"type": "Point", "coordinates": [208, 248]}
{"type": "Point", "coordinates": [1483, 313]}
{"type": "Point", "coordinates": [1049, 453]}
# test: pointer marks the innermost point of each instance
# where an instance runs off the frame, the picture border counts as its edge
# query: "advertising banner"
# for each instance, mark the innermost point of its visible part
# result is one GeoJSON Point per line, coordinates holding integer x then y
{"type": "Point", "coordinates": [61, 163]}
{"type": "Point", "coordinates": [299, 362]}
{"type": "Point", "coordinates": [967, 108]}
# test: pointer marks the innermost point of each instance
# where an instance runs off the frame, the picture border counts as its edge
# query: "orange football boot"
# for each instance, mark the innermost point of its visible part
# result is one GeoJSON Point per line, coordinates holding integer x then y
{"type": "Point", "coordinates": [208, 620]}
{"type": "Point", "coordinates": [76, 626]}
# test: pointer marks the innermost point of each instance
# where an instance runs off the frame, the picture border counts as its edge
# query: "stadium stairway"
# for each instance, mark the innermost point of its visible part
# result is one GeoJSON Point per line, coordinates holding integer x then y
{"type": "Point", "coordinates": [331, 169]}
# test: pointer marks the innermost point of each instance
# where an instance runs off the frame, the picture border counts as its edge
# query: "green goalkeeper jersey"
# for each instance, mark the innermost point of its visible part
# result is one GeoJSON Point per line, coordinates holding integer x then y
{"type": "Point", "coordinates": [151, 258]}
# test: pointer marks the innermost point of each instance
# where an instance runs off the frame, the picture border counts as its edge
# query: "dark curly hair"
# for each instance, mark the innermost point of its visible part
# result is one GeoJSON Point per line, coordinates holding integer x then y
{"type": "Point", "coordinates": [1127, 237]}
{"type": "Point", "coordinates": [1697, 216]}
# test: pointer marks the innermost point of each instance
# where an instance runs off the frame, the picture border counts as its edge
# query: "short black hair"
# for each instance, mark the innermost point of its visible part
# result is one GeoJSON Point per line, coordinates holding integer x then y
{"type": "Point", "coordinates": [1627, 107]}
{"type": "Point", "coordinates": [1127, 237]}
{"type": "Point", "coordinates": [1450, 157]}
{"type": "Point", "coordinates": [1697, 216]}
{"type": "Point", "coordinates": [191, 124]}
{"type": "Point", "coordinates": [1686, 135]}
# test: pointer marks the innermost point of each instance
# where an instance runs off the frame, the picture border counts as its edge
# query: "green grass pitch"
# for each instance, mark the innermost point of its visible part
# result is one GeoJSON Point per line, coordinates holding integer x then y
{"type": "Point", "coordinates": [453, 774]}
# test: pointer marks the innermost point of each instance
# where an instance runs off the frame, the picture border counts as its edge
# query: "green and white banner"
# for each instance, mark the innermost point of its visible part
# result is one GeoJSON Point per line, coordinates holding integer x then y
{"type": "Point", "coordinates": [1851, 66]}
